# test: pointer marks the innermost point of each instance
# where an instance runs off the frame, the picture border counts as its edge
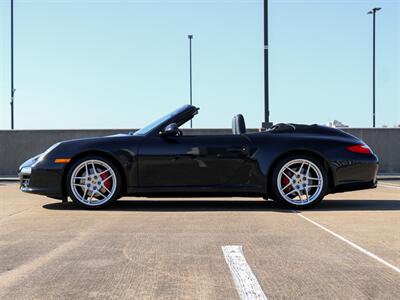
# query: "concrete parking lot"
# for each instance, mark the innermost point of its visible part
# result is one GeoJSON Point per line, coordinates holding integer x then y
{"type": "Point", "coordinates": [346, 248]}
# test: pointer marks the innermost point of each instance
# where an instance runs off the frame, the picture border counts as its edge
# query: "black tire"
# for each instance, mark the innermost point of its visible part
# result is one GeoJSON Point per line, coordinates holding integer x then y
{"type": "Point", "coordinates": [113, 171]}
{"type": "Point", "coordinates": [320, 193]}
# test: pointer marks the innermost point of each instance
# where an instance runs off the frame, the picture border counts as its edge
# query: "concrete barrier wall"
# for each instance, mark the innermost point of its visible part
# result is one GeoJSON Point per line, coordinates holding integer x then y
{"type": "Point", "coordinates": [18, 145]}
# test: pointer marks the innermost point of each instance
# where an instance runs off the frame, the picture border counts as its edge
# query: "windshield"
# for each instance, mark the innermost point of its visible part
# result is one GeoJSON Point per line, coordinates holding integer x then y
{"type": "Point", "coordinates": [152, 125]}
{"type": "Point", "coordinates": [158, 122]}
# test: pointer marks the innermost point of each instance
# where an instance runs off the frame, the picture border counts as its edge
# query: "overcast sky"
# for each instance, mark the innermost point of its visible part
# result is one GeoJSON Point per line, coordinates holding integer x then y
{"type": "Point", "coordinates": [120, 64]}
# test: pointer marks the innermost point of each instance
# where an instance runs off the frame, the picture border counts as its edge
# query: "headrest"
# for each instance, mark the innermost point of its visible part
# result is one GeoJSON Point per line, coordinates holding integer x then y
{"type": "Point", "coordinates": [238, 124]}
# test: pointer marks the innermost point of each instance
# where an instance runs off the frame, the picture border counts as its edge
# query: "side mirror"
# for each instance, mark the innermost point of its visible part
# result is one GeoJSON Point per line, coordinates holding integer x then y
{"type": "Point", "coordinates": [171, 130]}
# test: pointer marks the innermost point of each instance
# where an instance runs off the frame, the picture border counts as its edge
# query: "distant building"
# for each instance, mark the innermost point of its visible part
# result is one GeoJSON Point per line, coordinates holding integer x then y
{"type": "Point", "coordinates": [336, 124]}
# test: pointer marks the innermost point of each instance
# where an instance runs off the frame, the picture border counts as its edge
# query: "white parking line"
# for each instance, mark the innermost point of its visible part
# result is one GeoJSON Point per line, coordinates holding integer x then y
{"type": "Point", "coordinates": [245, 280]}
{"type": "Point", "coordinates": [350, 243]}
{"type": "Point", "coordinates": [389, 186]}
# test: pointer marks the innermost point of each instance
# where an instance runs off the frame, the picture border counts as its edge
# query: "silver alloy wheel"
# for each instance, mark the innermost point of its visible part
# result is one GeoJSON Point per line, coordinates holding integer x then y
{"type": "Point", "coordinates": [93, 182]}
{"type": "Point", "coordinates": [300, 182]}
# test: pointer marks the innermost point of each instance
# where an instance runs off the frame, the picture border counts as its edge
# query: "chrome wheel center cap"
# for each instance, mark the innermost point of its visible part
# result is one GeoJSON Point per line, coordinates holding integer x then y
{"type": "Point", "coordinates": [297, 180]}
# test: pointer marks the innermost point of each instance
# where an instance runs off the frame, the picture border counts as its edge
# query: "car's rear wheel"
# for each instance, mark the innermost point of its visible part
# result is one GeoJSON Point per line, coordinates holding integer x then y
{"type": "Point", "coordinates": [299, 181]}
{"type": "Point", "coordinates": [93, 182]}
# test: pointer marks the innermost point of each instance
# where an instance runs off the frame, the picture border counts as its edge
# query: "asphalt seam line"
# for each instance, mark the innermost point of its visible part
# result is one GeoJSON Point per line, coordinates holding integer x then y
{"type": "Point", "coordinates": [15, 213]}
{"type": "Point", "coordinates": [22, 272]}
{"type": "Point", "coordinates": [245, 280]}
{"type": "Point", "coordinates": [366, 252]}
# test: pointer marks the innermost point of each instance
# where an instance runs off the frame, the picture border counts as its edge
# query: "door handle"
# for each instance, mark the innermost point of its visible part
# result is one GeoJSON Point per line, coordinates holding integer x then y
{"type": "Point", "coordinates": [237, 149]}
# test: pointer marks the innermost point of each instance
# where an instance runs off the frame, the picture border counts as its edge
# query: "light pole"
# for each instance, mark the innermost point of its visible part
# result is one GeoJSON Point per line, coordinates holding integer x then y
{"type": "Point", "coordinates": [190, 37]}
{"type": "Point", "coordinates": [373, 12]}
{"type": "Point", "coordinates": [12, 65]}
{"type": "Point", "coordinates": [266, 123]}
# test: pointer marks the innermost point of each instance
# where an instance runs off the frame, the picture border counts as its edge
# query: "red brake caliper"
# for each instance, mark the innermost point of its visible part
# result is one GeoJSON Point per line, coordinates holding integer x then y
{"type": "Point", "coordinates": [285, 182]}
{"type": "Point", "coordinates": [107, 183]}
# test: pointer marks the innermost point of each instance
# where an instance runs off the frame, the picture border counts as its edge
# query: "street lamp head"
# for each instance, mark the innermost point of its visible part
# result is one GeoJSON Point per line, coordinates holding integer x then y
{"type": "Point", "coordinates": [374, 10]}
{"type": "Point", "coordinates": [190, 36]}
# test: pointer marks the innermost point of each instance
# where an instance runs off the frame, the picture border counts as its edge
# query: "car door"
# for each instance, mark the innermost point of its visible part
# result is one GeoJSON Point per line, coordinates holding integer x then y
{"type": "Point", "coordinates": [191, 161]}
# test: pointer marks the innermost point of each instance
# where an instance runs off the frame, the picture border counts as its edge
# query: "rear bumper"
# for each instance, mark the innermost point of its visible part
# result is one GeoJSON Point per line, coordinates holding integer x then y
{"type": "Point", "coordinates": [354, 186]}
{"type": "Point", "coordinates": [355, 175]}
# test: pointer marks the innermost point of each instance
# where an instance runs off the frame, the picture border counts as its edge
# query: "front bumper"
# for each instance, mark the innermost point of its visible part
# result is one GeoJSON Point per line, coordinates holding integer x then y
{"type": "Point", "coordinates": [42, 180]}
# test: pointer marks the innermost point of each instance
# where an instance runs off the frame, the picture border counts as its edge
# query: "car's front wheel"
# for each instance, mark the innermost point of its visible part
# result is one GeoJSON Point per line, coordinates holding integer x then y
{"type": "Point", "coordinates": [299, 181]}
{"type": "Point", "coordinates": [93, 182]}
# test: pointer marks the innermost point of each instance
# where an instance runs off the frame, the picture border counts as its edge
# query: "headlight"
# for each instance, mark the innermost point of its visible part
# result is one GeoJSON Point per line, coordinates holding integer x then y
{"type": "Point", "coordinates": [30, 162]}
{"type": "Point", "coordinates": [26, 170]}
{"type": "Point", "coordinates": [51, 148]}
{"type": "Point", "coordinates": [41, 156]}
{"type": "Point", "coordinates": [36, 159]}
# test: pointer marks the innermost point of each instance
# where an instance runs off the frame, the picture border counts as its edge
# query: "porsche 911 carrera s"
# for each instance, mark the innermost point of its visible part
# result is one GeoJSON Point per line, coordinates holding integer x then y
{"type": "Point", "coordinates": [296, 165]}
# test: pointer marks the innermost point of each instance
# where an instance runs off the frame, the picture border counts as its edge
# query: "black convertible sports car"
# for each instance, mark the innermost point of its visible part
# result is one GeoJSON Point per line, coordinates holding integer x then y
{"type": "Point", "coordinates": [294, 164]}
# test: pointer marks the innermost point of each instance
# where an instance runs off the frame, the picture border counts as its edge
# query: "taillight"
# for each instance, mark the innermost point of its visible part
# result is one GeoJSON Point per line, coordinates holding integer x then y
{"type": "Point", "coordinates": [360, 148]}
